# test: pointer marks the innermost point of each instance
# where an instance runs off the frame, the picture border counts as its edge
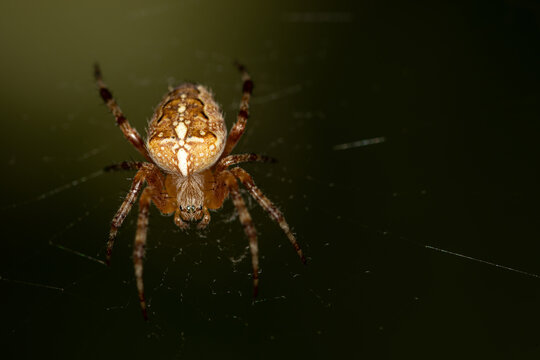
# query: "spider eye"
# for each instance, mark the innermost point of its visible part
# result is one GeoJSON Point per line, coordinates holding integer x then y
{"type": "Point", "coordinates": [181, 208]}
{"type": "Point", "coordinates": [200, 207]}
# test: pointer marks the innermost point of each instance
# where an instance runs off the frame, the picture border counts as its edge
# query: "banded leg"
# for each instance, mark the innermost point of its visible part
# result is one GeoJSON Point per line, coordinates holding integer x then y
{"type": "Point", "coordinates": [238, 128]}
{"type": "Point", "coordinates": [249, 228]}
{"type": "Point", "coordinates": [124, 166]}
{"type": "Point", "coordinates": [140, 244]}
{"type": "Point", "coordinates": [146, 171]}
{"type": "Point", "coordinates": [130, 132]}
{"type": "Point", "coordinates": [235, 159]}
{"type": "Point", "coordinates": [267, 205]}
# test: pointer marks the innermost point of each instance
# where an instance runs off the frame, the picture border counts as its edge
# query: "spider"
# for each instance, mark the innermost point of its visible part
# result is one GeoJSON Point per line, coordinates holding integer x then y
{"type": "Point", "coordinates": [187, 170]}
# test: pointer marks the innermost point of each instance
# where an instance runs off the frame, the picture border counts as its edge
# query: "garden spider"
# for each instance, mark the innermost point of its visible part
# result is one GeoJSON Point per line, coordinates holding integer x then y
{"type": "Point", "coordinates": [187, 170]}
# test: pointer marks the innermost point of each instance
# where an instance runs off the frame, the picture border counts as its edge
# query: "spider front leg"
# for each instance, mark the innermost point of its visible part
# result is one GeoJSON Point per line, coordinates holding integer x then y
{"type": "Point", "coordinates": [267, 205]}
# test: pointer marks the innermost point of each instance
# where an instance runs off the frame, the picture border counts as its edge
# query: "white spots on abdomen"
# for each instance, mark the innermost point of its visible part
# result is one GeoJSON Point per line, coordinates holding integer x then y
{"type": "Point", "coordinates": [195, 139]}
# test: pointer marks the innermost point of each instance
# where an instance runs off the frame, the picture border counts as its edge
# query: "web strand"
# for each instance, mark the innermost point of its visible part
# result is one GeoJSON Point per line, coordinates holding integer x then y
{"type": "Point", "coordinates": [482, 261]}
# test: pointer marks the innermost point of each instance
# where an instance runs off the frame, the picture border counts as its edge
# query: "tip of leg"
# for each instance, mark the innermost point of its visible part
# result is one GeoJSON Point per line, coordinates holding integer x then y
{"type": "Point", "coordinates": [239, 66]}
{"type": "Point", "coordinates": [97, 71]}
{"type": "Point", "coordinates": [269, 159]}
{"type": "Point", "coordinates": [255, 291]}
{"type": "Point", "coordinates": [144, 314]}
{"type": "Point", "coordinates": [301, 255]}
{"type": "Point", "coordinates": [143, 308]}
{"type": "Point", "coordinates": [255, 287]}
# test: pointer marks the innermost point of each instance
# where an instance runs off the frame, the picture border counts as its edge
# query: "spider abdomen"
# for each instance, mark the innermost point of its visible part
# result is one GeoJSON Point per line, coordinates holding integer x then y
{"type": "Point", "coordinates": [187, 132]}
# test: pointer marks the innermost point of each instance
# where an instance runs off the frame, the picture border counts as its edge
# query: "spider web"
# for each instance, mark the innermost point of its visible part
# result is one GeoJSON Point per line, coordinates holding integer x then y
{"type": "Point", "coordinates": [203, 277]}
{"type": "Point", "coordinates": [385, 173]}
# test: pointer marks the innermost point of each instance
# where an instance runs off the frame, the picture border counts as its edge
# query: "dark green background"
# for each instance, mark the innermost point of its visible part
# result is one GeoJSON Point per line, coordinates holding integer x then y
{"type": "Point", "coordinates": [453, 86]}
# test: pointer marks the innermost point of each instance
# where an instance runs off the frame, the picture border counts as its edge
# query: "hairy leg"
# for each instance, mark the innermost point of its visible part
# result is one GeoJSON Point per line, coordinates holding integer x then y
{"type": "Point", "coordinates": [130, 132]}
{"type": "Point", "coordinates": [124, 166]}
{"type": "Point", "coordinates": [140, 244]}
{"type": "Point", "coordinates": [235, 159]}
{"type": "Point", "coordinates": [267, 205]}
{"type": "Point", "coordinates": [149, 173]}
{"type": "Point", "coordinates": [238, 128]}
{"type": "Point", "coordinates": [249, 228]}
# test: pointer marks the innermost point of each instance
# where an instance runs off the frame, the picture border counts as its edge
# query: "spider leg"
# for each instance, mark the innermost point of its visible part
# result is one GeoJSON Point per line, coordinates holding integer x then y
{"type": "Point", "coordinates": [249, 228]}
{"type": "Point", "coordinates": [124, 166]}
{"type": "Point", "coordinates": [140, 243]}
{"type": "Point", "coordinates": [130, 133]}
{"type": "Point", "coordinates": [238, 128]}
{"type": "Point", "coordinates": [235, 159]}
{"type": "Point", "coordinates": [138, 180]}
{"type": "Point", "coordinates": [267, 205]}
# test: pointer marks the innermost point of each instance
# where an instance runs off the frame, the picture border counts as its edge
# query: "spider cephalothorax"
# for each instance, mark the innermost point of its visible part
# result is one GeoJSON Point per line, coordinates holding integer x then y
{"type": "Point", "coordinates": [187, 173]}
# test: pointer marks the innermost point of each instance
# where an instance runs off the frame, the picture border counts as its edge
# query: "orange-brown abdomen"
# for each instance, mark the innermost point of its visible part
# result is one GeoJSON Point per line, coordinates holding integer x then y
{"type": "Point", "coordinates": [187, 132]}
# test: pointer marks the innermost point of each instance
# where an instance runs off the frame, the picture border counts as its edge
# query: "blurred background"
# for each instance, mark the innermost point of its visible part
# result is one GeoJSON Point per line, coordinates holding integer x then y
{"type": "Point", "coordinates": [408, 240]}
